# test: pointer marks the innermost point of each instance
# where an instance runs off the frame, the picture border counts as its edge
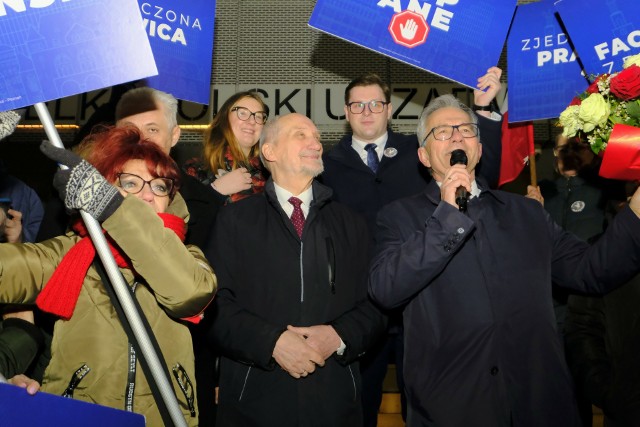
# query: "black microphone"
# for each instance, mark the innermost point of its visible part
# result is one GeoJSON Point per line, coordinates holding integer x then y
{"type": "Point", "coordinates": [459, 157]}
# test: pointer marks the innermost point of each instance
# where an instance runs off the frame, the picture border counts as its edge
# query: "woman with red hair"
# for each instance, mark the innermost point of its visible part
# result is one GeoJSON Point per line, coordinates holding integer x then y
{"type": "Point", "coordinates": [130, 186]}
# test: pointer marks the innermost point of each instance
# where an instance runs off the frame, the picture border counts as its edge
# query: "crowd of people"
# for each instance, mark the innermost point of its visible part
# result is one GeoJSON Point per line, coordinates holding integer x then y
{"type": "Point", "coordinates": [279, 285]}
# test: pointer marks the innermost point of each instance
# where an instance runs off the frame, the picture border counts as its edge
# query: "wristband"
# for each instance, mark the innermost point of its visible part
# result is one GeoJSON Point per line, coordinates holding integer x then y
{"type": "Point", "coordinates": [483, 107]}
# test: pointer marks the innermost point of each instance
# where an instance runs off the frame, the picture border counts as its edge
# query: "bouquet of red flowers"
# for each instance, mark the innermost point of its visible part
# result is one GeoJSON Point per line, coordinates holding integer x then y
{"type": "Point", "coordinates": [610, 99]}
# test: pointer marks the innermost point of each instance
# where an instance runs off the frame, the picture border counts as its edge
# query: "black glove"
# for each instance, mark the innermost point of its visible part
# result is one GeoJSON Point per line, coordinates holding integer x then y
{"type": "Point", "coordinates": [81, 186]}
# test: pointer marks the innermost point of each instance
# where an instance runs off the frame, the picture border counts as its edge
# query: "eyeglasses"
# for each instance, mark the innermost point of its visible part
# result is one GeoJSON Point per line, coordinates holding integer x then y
{"type": "Point", "coordinates": [445, 132]}
{"type": "Point", "coordinates": [244, 114]}
{"type": "Point", "coordinates": [374, 106]}
{"type": "Point", "coordinates": [133, 184]}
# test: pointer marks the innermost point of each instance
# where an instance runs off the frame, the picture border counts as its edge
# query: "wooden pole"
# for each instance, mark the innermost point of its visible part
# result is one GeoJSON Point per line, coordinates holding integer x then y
{"type": "Point", "coordinates": [532, 168]}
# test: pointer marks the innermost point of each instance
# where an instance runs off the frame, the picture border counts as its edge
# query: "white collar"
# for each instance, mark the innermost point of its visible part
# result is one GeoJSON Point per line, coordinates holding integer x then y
{"type": "Point", "coordinates": [359, 145]}
{"type": "Point", "coordinates": [283, 198]}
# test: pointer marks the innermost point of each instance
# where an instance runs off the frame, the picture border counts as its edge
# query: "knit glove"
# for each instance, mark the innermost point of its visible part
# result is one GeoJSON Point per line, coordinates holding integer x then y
{"type": "Point", "coordinates": [81, 186]}
{"type": "Point", "coordinates": [8, 122]}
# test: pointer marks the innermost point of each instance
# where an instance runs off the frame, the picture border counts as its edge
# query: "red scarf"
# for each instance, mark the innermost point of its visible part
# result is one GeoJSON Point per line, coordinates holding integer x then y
{"type": "Point", "coordinates": [61, 292]}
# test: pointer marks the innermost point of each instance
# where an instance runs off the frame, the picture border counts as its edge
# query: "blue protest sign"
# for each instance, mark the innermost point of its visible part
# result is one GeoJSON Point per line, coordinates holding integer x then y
{"type": "Point", "coordinates": [181, 37]}
{"type": "Point", "coordinates": [53, 49]}
{"type": "Point", "coordinates": [544, 74]}
{"type": "Point", "coordinates": [456, 40]}
{"type": "Point", "coordinates": [43, 409]}
{"type": "Point", "coordinates": [605, 35]}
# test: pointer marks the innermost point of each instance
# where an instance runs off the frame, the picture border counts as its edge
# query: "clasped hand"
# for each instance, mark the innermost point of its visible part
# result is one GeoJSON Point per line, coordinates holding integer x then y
{"type": "Point", "coordinates": [299, 350]}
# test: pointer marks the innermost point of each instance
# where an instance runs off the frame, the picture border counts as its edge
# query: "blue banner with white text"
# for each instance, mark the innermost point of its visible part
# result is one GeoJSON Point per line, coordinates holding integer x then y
{"type": "Point", "coordinates": [544, 74]}
{"type": "Point", "coordinates": [53, 49]}
{"type": "Point", "coordinates": [456, 39]}
{"type": "Point", "coordinates": [181, 37]}
{"type": "Point", "coordinates": [604, 32]}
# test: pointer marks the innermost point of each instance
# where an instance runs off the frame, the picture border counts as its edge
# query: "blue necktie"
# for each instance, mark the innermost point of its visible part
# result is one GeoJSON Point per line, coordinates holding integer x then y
{"type": "Point", "coordinates": [372, 157]}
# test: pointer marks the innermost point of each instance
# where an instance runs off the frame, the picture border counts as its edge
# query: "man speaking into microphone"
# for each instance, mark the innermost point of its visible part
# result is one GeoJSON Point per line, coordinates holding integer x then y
{"type": "Point", "coordinates": [481, 345]}
{"type": "Point", "coordinates": [450, 147]}
{"type": "Point", "coordinates": [459, 157]}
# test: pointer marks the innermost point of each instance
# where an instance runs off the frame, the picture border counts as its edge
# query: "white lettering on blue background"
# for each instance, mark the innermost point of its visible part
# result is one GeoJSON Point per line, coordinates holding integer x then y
{"type": "Point", "coordinates": [618, 45]}
{"type": "Point", "coordinates": [441, 18]}
{"type": "Point", "coordinates": [155, 27]}
{"type": "Point", "coordinates": [21, 5]}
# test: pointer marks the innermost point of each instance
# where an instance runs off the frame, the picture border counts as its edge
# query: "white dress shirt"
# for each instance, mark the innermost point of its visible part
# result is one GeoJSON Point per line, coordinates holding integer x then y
{"type": "Point", "coordinates": [283, 198]}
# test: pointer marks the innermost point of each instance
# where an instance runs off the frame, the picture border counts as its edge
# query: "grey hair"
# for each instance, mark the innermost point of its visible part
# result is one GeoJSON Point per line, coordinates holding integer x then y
{"type": "Point", "coordinates": [270, 132]}
{"type": "Point", "coordinates": [444, 101]}
{"type": "Point", "coordinates": [132, 100]}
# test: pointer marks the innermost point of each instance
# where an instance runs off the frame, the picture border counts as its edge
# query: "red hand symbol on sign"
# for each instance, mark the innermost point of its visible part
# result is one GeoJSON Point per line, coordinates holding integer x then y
{"type": "Point", "coordinates": [408, 28]}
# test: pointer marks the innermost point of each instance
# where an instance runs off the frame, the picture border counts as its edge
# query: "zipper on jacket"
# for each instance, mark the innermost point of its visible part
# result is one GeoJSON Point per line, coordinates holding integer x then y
{"type": "Point", "coordinates": [301, 274]}
{"type": "Point", "coordinates": [331, 264]}
{"type": "Point", "coordinates": [244, 385]}
{"type": "Point", "coordinates": [75, 380]}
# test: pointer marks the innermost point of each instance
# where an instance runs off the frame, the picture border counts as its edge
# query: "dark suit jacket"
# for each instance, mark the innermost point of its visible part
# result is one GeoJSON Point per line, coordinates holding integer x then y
{"type": "Point", "coordinates": [481, 345]}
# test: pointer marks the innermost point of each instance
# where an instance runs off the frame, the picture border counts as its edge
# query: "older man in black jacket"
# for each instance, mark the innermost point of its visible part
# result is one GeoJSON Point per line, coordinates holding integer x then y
{"type": "Point", "coordinates": [292, 313]}
{"type": "Point", "coordinates": [481, 342]}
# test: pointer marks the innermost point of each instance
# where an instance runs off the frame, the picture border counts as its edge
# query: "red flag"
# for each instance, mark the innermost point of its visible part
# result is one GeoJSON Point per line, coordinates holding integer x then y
{"type": "Point", "coordinates": [517, 146]}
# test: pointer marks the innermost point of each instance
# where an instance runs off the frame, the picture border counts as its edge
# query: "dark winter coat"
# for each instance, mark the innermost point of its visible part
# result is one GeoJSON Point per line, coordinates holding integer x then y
{"type": "Point", "coordinates": [23, 199]}
{"type": "Point", "coordinates": [576, 205]}
{"type": "Point", "coordinates": [270, 278]}
{"type": "Point", "coordinates": [603, 350]}
{"type": "Point", "coordinates": [481, 345]}
{"type": "Point", "coordinates": [203, 204]}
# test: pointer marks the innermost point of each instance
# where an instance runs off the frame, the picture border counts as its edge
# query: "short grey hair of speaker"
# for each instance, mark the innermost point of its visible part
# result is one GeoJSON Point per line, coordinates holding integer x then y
{"type": "Point", "coordinates": [443, 101]}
